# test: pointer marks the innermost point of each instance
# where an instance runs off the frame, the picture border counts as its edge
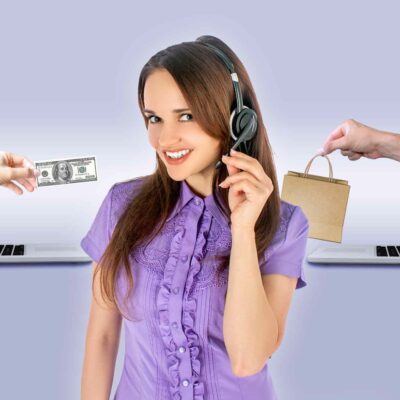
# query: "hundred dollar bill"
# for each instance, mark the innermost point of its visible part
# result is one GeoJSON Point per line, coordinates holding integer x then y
{"type": "Point", "coordinates": [64, 171]}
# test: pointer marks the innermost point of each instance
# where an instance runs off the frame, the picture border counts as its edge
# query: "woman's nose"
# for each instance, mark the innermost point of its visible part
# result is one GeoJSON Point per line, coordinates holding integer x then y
{"type": "Point", "coordinates": [168, 136]}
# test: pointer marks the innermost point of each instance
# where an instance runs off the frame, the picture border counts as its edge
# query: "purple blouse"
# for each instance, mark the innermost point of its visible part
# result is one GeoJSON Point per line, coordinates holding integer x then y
{"type": "Point", "coordinates": [174, 349]}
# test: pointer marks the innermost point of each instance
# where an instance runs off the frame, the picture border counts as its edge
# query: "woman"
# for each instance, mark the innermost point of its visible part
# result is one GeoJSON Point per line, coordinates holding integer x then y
{"type": "Point", "coordinates": [202, 275]}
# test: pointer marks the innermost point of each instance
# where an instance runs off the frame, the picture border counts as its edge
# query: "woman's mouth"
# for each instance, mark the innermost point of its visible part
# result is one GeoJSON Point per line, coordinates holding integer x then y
{"type": "Point", "coordinates": [176, 161]}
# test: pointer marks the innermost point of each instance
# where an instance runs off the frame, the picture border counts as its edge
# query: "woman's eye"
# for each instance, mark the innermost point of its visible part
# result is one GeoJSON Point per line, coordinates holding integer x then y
{"type": "Point", "coordinates": [190, 116]}
{"type": "Point", "coordinates": [150, 117]}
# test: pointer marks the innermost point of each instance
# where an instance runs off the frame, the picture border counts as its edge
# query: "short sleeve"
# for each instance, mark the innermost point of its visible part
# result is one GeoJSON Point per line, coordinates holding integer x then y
{"type": "Point", "coordinates": [97, 238]}
{"type": "Point", "coordinates": [288, 256]}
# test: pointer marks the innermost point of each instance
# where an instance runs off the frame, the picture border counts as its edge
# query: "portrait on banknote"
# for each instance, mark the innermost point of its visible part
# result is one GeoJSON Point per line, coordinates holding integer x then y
{"type": "Point", "coordinates": [62, 171]}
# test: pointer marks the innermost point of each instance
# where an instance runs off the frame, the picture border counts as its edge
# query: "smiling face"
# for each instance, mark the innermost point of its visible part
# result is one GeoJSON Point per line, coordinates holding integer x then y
{"type": "Point", "coordinates": [171, 130]}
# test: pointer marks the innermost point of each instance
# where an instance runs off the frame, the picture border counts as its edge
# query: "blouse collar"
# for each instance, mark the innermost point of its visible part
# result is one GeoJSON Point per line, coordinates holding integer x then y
{"type": "Point", "coordinates": [186, 195]}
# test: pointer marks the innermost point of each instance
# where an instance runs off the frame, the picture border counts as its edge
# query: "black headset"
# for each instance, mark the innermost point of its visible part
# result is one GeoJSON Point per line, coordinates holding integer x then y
{"type": "Point", "coordinates": [243, 120]}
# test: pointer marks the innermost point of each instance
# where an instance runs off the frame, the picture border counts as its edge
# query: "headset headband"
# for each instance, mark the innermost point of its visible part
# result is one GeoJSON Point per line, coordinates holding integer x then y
{"type": "Point", "coordinates": [235, 79]}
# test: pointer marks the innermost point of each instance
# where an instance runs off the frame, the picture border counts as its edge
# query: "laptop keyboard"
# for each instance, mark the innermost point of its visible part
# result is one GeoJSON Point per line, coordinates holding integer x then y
{"type": "Point", "coordinates": [388, 251]}
{"type": "Point", "coordinates": [12, 250]}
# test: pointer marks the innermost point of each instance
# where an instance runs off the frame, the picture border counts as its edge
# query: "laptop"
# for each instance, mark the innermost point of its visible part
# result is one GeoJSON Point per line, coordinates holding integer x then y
{"type": "Point", "coordinates": [356, 254]}
{"type": "Point", "coordinates": [43, 253]}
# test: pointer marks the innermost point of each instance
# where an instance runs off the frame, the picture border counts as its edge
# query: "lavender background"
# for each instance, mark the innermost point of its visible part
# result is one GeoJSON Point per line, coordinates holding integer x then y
{"type": "Point", "coordinates": [68, 87]}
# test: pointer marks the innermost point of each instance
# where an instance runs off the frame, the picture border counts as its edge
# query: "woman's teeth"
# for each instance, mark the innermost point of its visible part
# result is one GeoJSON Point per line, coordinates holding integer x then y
{"type": "Point", "coordinates": [179, 154]}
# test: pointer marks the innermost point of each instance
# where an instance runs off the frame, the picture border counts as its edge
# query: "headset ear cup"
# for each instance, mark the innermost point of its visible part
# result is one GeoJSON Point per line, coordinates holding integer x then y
{"type": "Point", "coordinates": [243, 123]}
{"type": "Point", "coordinates": [255, 123]}
{"type": "Point", "coordinates": [246, 117]}
{"type": "Point", "coordinates": [232, 125]}
{"type": "Point", "coordinates": [240, 121]}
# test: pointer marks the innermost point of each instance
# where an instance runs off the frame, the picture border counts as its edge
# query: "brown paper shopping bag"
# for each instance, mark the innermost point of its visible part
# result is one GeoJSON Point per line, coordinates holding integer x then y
{"type": "Point", "coordinates": [323, 200]}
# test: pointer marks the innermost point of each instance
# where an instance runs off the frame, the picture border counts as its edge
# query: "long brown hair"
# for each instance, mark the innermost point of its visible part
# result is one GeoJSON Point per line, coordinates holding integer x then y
{"type": "Point", "coordinates": [206, 85]}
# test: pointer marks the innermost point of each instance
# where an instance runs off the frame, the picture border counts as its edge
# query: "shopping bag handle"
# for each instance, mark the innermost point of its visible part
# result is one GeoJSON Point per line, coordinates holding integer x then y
{"type": "Point", "coordinates": [309, 165]}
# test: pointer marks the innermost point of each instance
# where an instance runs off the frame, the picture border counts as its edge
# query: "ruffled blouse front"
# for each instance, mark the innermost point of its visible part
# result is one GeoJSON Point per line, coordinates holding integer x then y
{"type": "Point", "coordinates": [174, 348]}
{"type": "Point", "coordinates": [177, 311]}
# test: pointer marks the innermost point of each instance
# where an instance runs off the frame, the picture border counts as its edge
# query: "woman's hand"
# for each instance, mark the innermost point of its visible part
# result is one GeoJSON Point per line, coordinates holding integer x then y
{"type": "Point", "coordinates": [18, 168]}
{"type": "Point", "coordinates": [249, 189]}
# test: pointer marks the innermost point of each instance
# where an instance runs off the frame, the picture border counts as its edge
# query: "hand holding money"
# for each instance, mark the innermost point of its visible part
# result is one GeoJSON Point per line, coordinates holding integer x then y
{"type": "Point", "coordinates": [65, 171]}
{"type": "Point", "coordinates": [17, 168]}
